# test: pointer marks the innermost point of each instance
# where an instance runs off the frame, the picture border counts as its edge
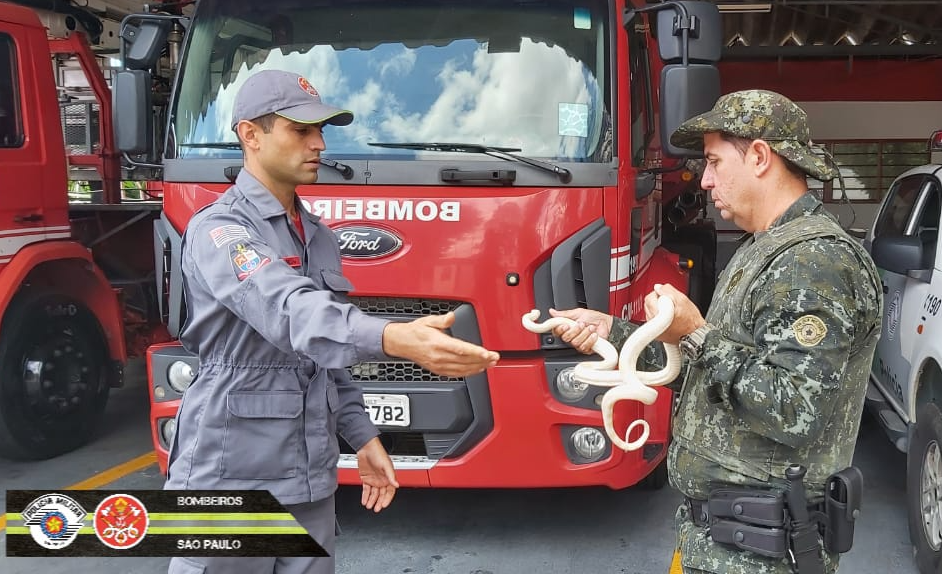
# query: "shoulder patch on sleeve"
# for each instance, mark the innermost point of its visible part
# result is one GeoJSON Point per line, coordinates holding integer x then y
{"type": "Point", "coordinates": [246, 260]}
{"type": "Point", "coordinates": [809, 330]}
{"type": "Point", "coordinates": [226, 234]}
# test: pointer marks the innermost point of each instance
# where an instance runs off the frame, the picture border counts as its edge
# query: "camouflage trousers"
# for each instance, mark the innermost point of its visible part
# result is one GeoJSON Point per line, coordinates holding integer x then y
{"type": "Point", "coordinates": [700, 555]}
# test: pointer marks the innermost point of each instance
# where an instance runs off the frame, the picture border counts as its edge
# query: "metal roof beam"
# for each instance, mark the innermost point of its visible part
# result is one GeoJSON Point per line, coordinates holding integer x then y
{"type": "Point", "coordinates": [909, 25]}
{"type": "Point", "coordinates": [829, 51]}
{"type": "Point", "coordinates": [852, 2]}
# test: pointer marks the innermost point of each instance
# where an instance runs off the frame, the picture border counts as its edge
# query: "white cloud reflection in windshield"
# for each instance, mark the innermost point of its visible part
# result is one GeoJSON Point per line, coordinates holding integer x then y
{"type": "Point", "coordinates": [455, 93]}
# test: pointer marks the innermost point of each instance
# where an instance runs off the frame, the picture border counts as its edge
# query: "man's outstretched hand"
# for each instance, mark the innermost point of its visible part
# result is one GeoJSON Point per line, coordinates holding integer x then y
{"type": "Point", "coordinates": [377, 474]}
{"type": "Point", "coordinates": [425, 342]}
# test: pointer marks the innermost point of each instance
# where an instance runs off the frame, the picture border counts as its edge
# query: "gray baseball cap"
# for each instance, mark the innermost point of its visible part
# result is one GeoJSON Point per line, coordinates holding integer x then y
{"type": "Point", "coordinates": [287, 94]}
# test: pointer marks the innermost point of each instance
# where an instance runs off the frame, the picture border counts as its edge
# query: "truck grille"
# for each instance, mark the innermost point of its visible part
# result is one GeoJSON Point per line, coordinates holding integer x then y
{"type": "Point", "coordinates": [404, 306]}
{"type": "Point", "coordinates": [399, 371]}
{"type": "Point", "coordinates": [405, 372]}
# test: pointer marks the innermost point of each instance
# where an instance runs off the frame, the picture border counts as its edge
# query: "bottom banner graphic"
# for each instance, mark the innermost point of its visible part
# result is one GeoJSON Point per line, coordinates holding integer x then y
{"type": "Point", "coordinates": [152, 523]}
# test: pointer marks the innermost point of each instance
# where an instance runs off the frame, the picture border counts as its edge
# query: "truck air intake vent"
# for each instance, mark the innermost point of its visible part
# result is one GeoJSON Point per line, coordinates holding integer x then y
{"type": "Point", "coordinates": [404, 306]}
{"type": "Point", "coordinates": [405, 372]}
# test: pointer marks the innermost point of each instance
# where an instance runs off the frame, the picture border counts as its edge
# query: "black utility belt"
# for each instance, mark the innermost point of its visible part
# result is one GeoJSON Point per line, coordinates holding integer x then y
{"type": "Point", "coordinates": [761, 521]}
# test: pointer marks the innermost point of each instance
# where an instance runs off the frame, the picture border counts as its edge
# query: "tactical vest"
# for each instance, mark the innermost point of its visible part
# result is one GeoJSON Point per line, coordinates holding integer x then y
{"type": "Point", "coordinates": [730, 451]}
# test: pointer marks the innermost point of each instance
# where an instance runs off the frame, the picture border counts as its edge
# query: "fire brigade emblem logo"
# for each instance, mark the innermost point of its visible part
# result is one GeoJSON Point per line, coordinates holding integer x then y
{"type": "Point", "coordinates": [307, 87]}
{"type": "Point", "coordinates": [247, 260]}
{"type": "Point", "coordinates": [809, 330]}
{"type": "Point", "coordinates": [121, 521]}
{"type": "Point", "coordinates": [54, 520]}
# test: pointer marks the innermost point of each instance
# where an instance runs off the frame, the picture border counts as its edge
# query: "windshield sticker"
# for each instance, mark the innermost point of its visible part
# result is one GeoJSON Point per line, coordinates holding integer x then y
{"type": "Point", "coordinates": [574, 120]}
{"type": "Point", "coordinates": [581, 19]}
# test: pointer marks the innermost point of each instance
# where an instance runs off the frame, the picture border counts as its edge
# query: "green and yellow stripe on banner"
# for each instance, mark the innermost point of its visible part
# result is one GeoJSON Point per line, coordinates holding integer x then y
{"type": "Point", "coordinates": [199, 524]}
{"type": "Point", "coordinates": [153, 523]}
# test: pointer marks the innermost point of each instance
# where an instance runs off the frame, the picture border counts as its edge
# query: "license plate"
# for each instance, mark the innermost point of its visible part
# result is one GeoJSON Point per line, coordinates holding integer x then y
{"type": "Point", "coordinates": [388, 410]}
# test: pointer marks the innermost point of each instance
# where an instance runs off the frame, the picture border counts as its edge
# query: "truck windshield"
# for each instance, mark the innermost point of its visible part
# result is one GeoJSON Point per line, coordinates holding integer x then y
{"type": "Point", "coordinates": [532, 76]}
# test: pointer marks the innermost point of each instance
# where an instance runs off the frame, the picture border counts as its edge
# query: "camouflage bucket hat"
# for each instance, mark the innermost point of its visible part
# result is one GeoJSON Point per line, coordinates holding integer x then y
{"type": "Point", "coordinates": [759, 115]}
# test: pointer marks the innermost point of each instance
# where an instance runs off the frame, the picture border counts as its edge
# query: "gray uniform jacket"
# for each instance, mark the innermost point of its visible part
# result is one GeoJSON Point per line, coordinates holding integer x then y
{"type": "Point", "coordinates": [269, 320]}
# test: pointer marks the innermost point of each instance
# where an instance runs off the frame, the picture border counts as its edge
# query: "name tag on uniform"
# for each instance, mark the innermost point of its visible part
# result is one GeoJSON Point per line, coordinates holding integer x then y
{"type": "Point", "coordinates": [292, 260]}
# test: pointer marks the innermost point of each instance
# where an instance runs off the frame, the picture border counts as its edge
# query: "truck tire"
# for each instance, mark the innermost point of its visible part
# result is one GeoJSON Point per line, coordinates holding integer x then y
{"type": "Point", "coordinates": [924, 488]}
{"type": "Point", "coordinates": [657, 479]}
{"type": "Point", "coordinates": [53, 375]}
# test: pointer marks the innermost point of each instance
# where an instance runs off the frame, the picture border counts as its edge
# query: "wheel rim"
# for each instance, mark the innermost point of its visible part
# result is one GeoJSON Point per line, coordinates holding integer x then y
{"type": "Point", "coordinates": [59, 372]}
{"type": "Point", "coordinates": [931, 495]}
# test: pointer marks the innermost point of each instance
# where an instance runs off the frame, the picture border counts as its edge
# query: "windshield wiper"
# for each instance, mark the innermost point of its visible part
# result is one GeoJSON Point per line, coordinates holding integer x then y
{"type": "Point", "coordinates": [345, 170]}
{"type": "Point", "coordinates": [214, 145]}
{"type": "Point", "coordinates": [503, 153]}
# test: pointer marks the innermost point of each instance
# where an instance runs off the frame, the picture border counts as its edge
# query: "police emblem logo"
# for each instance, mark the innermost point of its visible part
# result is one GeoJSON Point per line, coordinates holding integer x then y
{"type": "Point", "coordinates": [54, 520]}
{"type": "Point", "coordinates": [121, 521]}
{"type": "Point", "coordinates": [307, 87]}
{"type": "Point", "coordinates": [809, 330]}
{"type": "Point", "coordinates": [247, 260]}
{"type": "Point", "coordinates": [734, 280]}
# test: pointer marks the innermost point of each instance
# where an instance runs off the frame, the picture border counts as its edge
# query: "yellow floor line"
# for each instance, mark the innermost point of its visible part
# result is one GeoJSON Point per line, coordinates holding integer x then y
{"type": "Point", "coordinates": [105, 477]}
{"type": "Point", "coordinates": [116, 472]}
{"type": "Point", "coordinates": [676, 568]}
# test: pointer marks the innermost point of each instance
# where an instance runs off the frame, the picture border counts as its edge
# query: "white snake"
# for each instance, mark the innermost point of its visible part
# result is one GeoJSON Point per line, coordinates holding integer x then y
{"type": "Point", "coordinates": [626, 381]}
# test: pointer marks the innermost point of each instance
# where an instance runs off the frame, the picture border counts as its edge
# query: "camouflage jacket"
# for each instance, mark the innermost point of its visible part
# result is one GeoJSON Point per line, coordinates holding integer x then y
{"type": "Point", "coordinates": [783, 376]}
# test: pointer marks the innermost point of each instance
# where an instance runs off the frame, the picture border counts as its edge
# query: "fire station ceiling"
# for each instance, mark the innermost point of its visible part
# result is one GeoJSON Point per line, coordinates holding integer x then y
{"type": "Point", "coordinates": [797, 29]}
{"type": "Point", "coordinates": [760, 29]}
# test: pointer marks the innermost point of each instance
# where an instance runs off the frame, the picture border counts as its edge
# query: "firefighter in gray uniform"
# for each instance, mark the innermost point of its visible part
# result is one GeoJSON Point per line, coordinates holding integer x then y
{"type": "Point", "coordinates": [778, 369]}
{"type": "Point", "coordinates": [269, 320]}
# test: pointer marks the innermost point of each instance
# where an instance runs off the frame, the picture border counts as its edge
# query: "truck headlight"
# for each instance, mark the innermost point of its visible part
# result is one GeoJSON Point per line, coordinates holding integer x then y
{"type": "Point", "coordinates": [588, 442]}
{"type": "Point", "coordinates": [167, 430]}
{"type": "Point", "coordinates": [569, 388]}
{"type": "Point", "coordinates": [180, 375]}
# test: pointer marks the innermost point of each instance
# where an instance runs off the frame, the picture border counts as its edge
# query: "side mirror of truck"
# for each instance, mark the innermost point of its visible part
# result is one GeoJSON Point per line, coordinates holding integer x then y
{"type": "Point", "coordinates": [690, 42]}
{"type": "Point", "coordinates": [144, 42]}
{"type": "Point", "coordinates": [686, 91]}
{"type": "Point", "coordinates": [704, 27]}
{"type": "Point", "coordinates": [133, 116]}
{"type": "Point", "coordinates": [901, 254]}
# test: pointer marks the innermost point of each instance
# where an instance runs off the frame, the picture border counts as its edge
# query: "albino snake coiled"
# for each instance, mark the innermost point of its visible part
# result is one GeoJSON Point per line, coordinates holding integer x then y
{"type": "Point", "coordinates": [620, 370]}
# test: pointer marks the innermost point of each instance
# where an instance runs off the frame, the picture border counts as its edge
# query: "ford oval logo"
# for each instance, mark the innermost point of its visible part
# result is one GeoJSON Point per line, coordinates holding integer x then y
{"type": "Point", "coordinates": [365, 242]}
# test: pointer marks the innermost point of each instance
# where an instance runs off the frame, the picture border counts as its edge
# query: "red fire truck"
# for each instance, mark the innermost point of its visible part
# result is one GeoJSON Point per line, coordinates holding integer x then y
{"type": "Point", "coordinates": [76, 297]}
{"type": "Point", "coordinates": [506, 156]}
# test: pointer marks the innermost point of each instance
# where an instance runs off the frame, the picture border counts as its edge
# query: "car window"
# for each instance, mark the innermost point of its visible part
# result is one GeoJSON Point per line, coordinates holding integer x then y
{"type": "Point", "coordinates": [899, 206]}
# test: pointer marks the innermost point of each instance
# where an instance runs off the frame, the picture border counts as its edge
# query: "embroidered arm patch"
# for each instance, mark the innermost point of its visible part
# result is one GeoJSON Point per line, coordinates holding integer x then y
{"type": "Point", "coordinates": [226, 234]}
{"type": "Point", "coordinates": [246, 259]}
{"type": "Point", "coordinates": [809, 330]}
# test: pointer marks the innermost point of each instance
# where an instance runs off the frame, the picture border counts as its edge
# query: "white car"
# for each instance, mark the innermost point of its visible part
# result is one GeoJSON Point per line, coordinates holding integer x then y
{"type": "Point", "coordinates": [906, 377]}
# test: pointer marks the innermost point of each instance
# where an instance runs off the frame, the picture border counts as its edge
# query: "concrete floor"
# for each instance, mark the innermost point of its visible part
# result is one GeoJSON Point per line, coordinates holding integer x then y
{"type": "Point", "coordinates": [551, 531]}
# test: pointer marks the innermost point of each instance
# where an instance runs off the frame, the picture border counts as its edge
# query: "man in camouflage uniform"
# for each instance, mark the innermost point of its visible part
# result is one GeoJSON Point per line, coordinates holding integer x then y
{"type": "Point", "coordinates": [778, 369]}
